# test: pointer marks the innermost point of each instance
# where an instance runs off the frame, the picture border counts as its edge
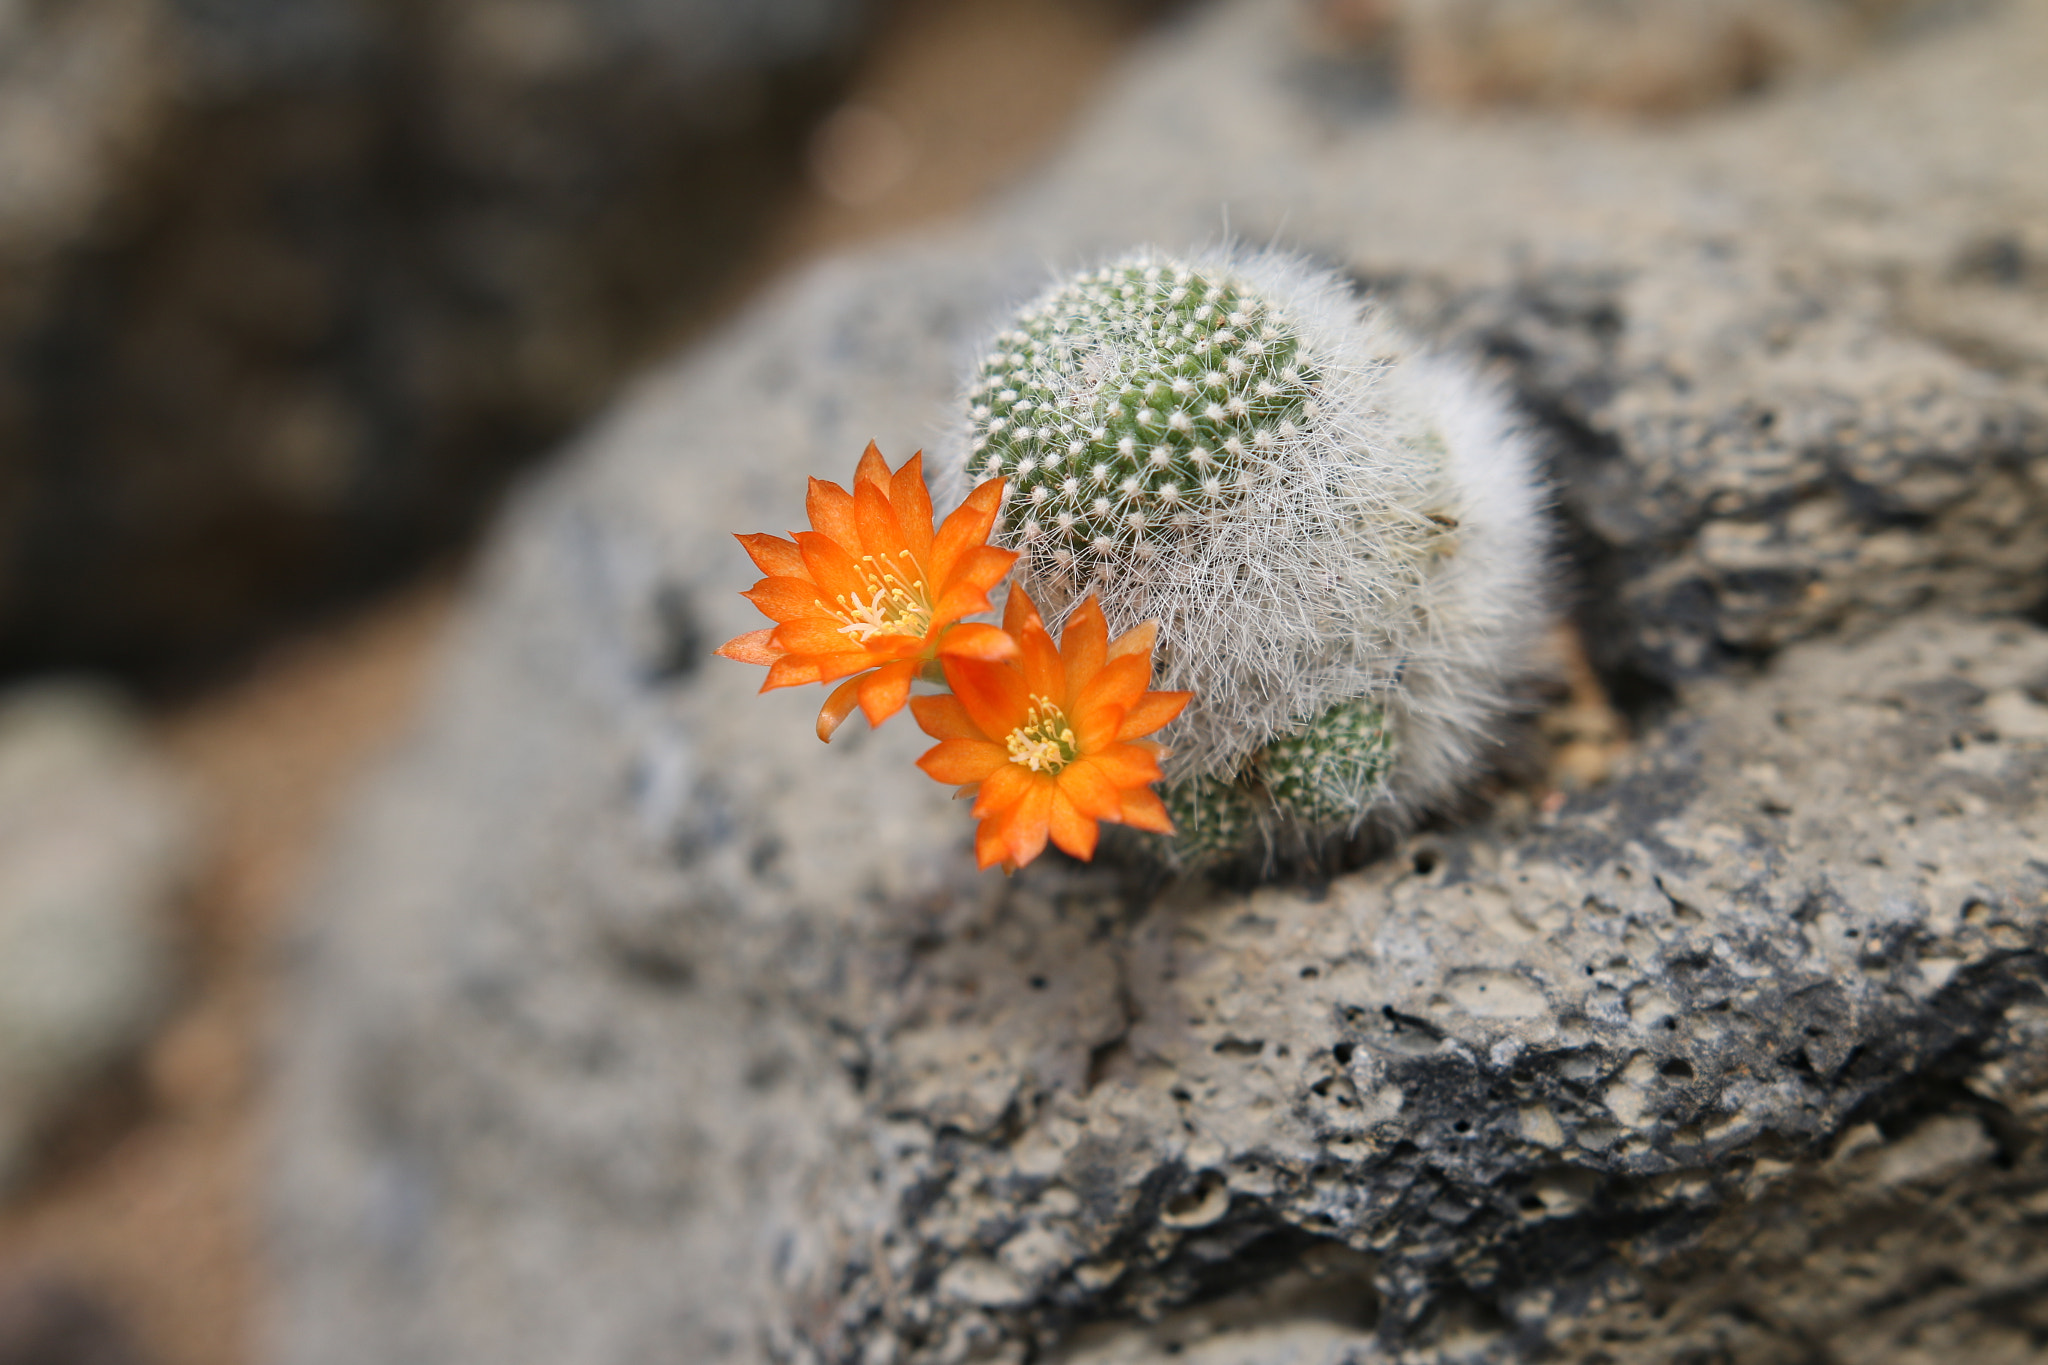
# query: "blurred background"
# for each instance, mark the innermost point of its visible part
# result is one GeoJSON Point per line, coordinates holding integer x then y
{"type": "Point", "coordinates": [289, 291]}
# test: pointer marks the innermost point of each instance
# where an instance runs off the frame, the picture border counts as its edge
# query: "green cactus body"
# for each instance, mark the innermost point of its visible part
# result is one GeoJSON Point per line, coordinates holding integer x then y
{"type": "Point", "coordinates": [1213, 819]}
{"type": "Point", "coordinates": [1318, 780]}
{"type": "Point", "coordinates": [1121, 409]}
{"type": "Point", "coordinates": [1328, 772]}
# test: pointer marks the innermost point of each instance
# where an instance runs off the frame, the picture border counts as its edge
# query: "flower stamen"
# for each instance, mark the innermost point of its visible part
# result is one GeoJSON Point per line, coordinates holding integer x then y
{"type": "Point", "coordinates": [1044, 743]}
{"type": "Point", "coordinates": [899, 605]}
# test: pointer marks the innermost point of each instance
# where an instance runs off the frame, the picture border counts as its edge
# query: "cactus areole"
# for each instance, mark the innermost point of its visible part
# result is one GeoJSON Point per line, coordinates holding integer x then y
{"type": "Point", "coordinates": [1338, 532]}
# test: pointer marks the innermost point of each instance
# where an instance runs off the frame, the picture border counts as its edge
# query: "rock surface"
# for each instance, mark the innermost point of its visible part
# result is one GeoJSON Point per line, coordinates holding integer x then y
{"type": "Point", "coordinates": [1653, 57]}
{"type": "Point", "coordinates": [636, 1026]}
{"type": "Point", "coordinates": [49, 1322]}
{"type": "Point", "coordinates": [289, 287]}
{"type": "Point", "coordinates": [95, 842]}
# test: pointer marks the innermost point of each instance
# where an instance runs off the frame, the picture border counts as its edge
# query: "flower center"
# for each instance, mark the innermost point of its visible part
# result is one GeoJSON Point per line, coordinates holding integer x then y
{"type": "Point", "coordinates": [893, 603]}
{"type": "Point", "coordinates": [1045, 742]}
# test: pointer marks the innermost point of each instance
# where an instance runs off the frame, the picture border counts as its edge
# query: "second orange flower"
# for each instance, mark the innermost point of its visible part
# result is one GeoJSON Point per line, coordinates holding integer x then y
{"type": "Point", "coordinates": [1051, 743]}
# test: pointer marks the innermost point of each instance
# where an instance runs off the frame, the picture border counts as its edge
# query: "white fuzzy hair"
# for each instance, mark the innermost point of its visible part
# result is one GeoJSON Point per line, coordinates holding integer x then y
{"type": "Point", "coordinates": [1389, 546]}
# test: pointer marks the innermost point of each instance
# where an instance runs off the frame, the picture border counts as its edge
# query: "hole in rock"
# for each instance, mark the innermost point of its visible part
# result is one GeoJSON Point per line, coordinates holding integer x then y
{"type": "Point", "coordinates": [654, 966]}
{"type": "Point", "coordinates": [1203, 1203]}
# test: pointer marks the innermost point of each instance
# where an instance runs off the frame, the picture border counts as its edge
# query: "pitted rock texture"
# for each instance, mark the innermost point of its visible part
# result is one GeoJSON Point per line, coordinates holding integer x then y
{"type": "Point", "coordinates": [633, 1024]}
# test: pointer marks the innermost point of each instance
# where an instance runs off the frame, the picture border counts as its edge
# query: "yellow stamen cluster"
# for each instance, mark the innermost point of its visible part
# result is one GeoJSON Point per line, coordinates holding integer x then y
{"type": "Point", "coordinates": [1045, 742]}
{"type": "Point", "coordinates": [900, 606]}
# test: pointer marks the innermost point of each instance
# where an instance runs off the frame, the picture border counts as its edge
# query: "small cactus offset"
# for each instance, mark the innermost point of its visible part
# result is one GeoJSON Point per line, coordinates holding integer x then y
{"type": "Point", "coordinates": [1338, 534]}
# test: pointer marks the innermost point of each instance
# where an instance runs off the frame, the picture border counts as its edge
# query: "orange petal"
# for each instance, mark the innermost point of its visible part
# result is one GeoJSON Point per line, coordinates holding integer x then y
{"type": "Point", "coordinates": [830, 509]}
{"type": "Point", "coordinates": [772, 555]}
{"type": "Point", "coordinates": [838, 707]}
{"type": "Point", "coordinates": [815, 635]}
{"type": "Point", "coordinates": [786, 599]}
{"type": "Point", "coordinates": [1024, 832]}
{"type": "Point", "coordinates": [1071, 829]}
{"type": "Point", "coordinates": [980, 567]}
{"type": "Point", "coordinates": [966, 593]}
{"type": "Point", "coordinates": [1123, 766]}
{"type": "Point", "coordinates": [913, 504]}
{"type": "Point", "coordinates": [751, 648]}
{"type": "Point", "coordinates": [964, 761]}
{"type": "Point", "coordinates": [792, 672]}
{"type": "Point", "coordinates": [990, 847]}
{"type": "Point", "coordinates": [1020, 612]}
{"type": "Point", "coordinates": [1119, 684]}
{"type": "Point", "coordinates": [964, 600]}
{"type": "Point", "coordinates": [872, 469]}
{"type": "Point", "coordinates": [1084, 644]}
{"type": "Point", "coordinates": [1144, 810]}
{"type": "Point", "coordinates": [965, 527]}
{"type": "Point", "coordinates": [1005, 787]}
{"type": "Point", "coordinates": [1039, 658]}
{"type": "Point", "coordinates": [832, 666]}
{"type": "Point", "coordinates": [975, 640]}
{"type": "Point", "coordinates": [880, 537]}
{"type": "Point", "coordinates": [993, 694]}
{"type": "Point", "coordinates": [1095, 725]}
{"type": "Point", "coordinates": [832, 566]}
{"type": "Point", "coordinates": [1090, 790]}
{"type": "Point", "coordinates": [1137, 640]}
{"type": "Point", "coordinates": [943, 717]}
{"type": "Point", "coordinates": [1152, 711]}
{"type": "Point", "coordinates": [883, 692]}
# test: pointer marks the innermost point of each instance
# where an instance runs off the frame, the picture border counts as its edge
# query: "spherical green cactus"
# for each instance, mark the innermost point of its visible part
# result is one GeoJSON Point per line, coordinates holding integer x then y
{"type": "Point", "coordinates": [1338, 532]}
{"type": "Point", "coordinates": [1179, 373]}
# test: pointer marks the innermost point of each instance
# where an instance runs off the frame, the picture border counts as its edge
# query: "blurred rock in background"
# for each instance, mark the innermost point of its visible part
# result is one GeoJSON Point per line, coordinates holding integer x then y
{"type": "Point", "coordinates": [45, 1320]}
{"type": "Point", "coordinates": [1640, 57]}
{"type": "Point", "coordinates": [96, 841]}
{"type": "Point", "coordinates": [288, 286]}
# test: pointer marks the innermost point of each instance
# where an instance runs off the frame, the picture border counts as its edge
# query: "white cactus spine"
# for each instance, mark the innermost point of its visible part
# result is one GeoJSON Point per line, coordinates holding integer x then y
{"type": "Point", "coordinates": [1339, 533]}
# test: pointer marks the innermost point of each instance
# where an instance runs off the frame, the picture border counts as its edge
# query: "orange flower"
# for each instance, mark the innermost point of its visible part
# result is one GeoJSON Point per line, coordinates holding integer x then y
{"type": "Point", "coordinates": [1049, 742]}
{"type": "Point", "coordinates": [871, 591]}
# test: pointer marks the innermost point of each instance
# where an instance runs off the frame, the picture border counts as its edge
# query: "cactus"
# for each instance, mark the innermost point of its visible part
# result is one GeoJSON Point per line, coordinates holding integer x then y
{"type": "Point", "coordinates": [1338, 533]}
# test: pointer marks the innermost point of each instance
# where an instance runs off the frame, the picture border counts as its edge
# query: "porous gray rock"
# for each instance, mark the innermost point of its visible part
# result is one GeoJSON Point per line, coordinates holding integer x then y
{"type": "Point", "coordinates": [96, 841]}
{"type": "Point", "coordinates": [632, 1024]}
{"type": "Point", "coordinates": [1655, 57]}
